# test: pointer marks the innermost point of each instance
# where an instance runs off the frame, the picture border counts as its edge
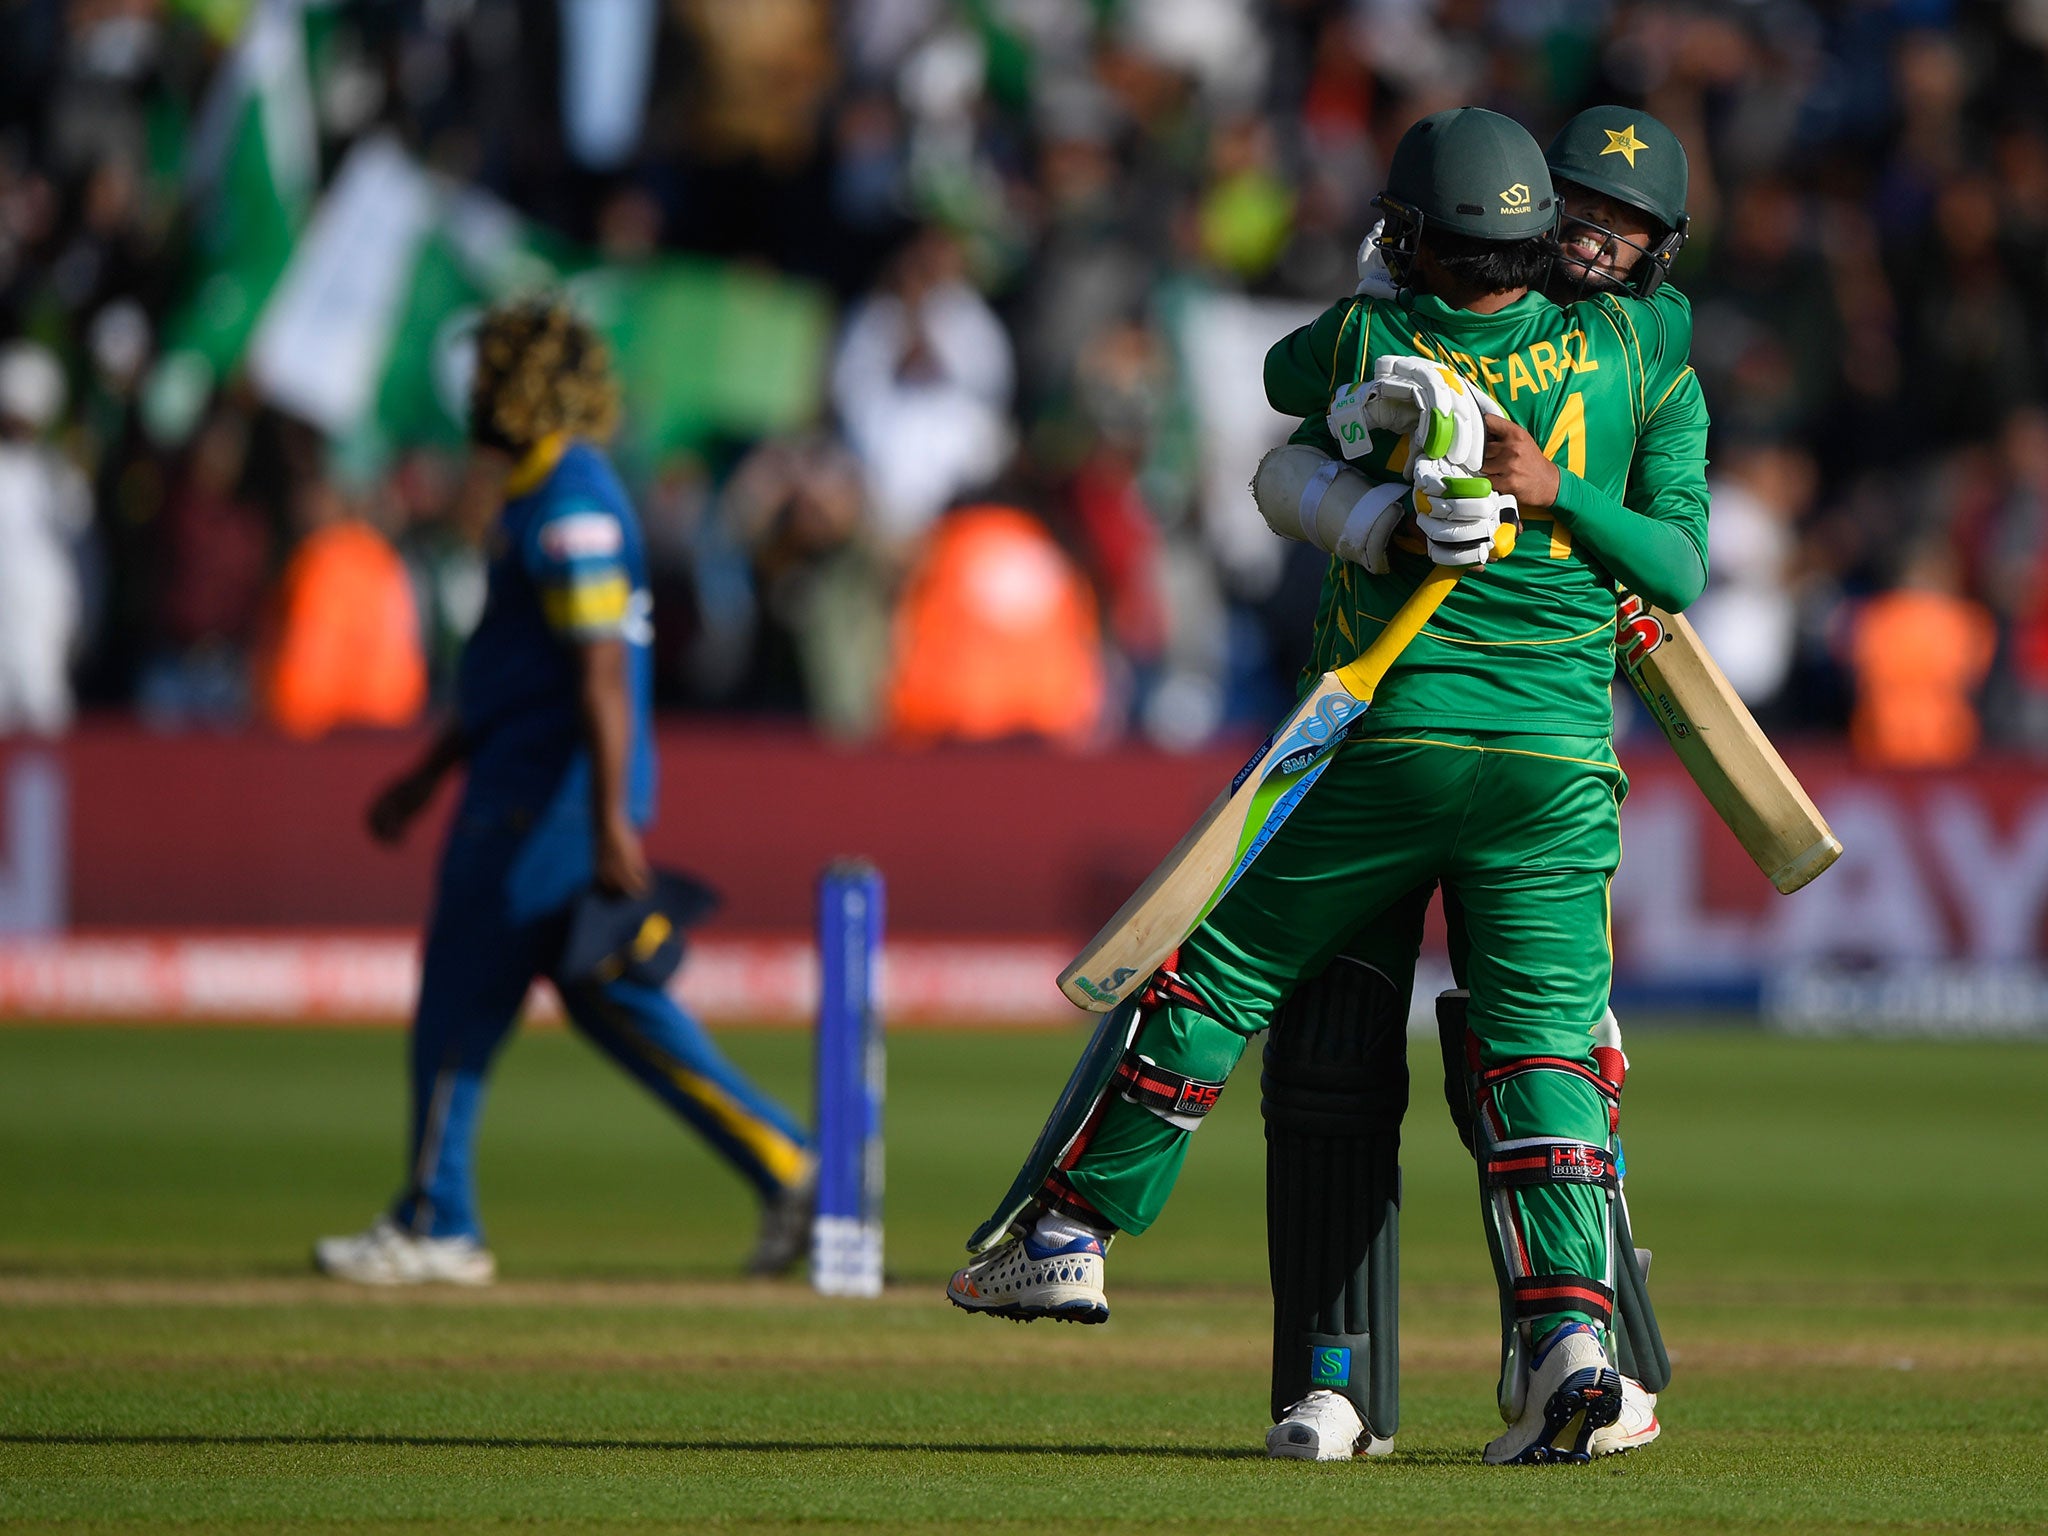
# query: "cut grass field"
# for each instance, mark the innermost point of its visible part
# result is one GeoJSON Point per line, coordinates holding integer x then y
{"type": "Point", "coordinates": [1852, 1266]}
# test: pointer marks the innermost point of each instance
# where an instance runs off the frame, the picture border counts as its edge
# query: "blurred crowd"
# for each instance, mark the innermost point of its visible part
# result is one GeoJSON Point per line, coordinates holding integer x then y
{"type": "Point", "coordinates": [1056, 236]}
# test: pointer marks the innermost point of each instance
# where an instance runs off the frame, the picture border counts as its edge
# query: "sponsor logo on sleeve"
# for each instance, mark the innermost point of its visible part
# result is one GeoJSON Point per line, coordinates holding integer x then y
{"type": "Point", "coordinates": [582, 536]}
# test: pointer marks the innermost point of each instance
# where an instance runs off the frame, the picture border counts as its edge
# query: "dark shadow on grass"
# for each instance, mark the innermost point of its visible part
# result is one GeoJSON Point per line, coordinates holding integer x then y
{"type": "Point", "coordinates": [564, 1443]}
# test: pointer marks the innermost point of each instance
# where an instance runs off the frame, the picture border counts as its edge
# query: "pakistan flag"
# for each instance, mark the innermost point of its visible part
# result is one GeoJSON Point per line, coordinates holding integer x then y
{"type": "Point", "coordinates": [368, 333]}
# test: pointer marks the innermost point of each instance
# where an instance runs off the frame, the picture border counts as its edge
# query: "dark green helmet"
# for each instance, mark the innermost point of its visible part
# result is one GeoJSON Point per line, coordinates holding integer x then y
{"type": "Point", "coordinates": [1633, 158]}
{"type": "Point", "coordinates": [1470, 172]}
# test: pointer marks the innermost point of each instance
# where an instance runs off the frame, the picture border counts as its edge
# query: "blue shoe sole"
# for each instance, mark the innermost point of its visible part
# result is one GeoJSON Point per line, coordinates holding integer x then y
{"type": "Point", "coordinates": [1073, 1312]}
{"type": "Point", "coordinates": [1592, 1398]}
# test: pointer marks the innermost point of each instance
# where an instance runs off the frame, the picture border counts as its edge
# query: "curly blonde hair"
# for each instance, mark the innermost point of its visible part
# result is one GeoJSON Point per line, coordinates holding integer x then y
{"type": "Point", "coordinates": [540, 369]}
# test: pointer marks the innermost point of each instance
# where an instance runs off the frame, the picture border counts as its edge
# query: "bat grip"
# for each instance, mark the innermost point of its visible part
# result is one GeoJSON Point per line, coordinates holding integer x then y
{"type": "Point", "coordinates": [1362, 677]}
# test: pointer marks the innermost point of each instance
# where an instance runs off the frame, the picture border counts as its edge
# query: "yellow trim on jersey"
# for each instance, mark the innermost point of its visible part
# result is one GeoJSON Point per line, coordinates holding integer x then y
{"type": "Point", "coordinates": [1461, 746]}
{"type": "Point", "coordinates": [1453, 640]}
{"type": "Point", "coordinates": [1638, 387]}
{"type": "Point", "coordinates": [1668, 393]}
{"type": "Point", "coordinates": [1337, 347]}
{"type": "Point", "coordinates": [1642, 369]}
{"type": "Point", "coordinates": [539, 463]}
{"type": "Point", "coordinates": [587, 605]}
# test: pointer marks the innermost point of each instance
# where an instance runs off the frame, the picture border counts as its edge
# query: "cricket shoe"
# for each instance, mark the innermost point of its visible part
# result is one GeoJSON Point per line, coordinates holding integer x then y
{"type": "Point", "coordinates": [1573, 1394]}
{"type": "Point", "coordinates": [387, 1254]}
{"type": "Point", "coordinates": [1024, 1280]}
{"type": "Point", "coordinates": [1634, 1426]}
{"type": "Point", "coordinates": [786, 1226]}
{"type": "Point", "coordinates": [1324, 1426]}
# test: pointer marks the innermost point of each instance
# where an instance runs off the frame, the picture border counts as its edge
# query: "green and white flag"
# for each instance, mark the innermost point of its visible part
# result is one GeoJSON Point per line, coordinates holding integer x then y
{"type": "Point", "coordinates": [321, 347]}
{"type": "Point", "coordinates": [368, 334]}
{"type": "Point", "coordinates": [251, 178]}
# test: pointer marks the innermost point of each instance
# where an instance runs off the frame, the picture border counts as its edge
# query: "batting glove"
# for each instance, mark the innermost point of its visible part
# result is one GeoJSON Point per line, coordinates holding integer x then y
{"type": "Point", "coordinates": [1429, 402]}
{"type": "Point", "coordinates": [1374, 280]}
{"type": "Point", "coordinates": [1460, 523]}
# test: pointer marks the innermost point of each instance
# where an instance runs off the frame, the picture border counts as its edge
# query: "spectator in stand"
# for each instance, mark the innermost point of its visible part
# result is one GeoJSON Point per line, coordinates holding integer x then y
{"type": "Point", "coordinates": [345, 642]}
{"type": "Point", "coordinates": [822, 580]}
{"type": "Point", "coordinates": [1747, 617]}
{"type": "Point", "coordinates": [1919, 655]}
{"type": "Point", "coordinates": [214, 558]}
{"type": "Point", "coordinates": [444, 560]}
{"type": "Point", "coordinates": [996, 637]}
{"type": "Point", "coordinates": [922, 384]}
{"type": "Point", "coordinates": [45, 514]}
{"type": "Point", "coordinates": [1868, 263]}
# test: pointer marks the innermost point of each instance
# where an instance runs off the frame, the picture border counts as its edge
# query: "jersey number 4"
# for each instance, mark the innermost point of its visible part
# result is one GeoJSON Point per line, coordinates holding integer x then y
{"type": "Point", "coordinates": [1569, 435]}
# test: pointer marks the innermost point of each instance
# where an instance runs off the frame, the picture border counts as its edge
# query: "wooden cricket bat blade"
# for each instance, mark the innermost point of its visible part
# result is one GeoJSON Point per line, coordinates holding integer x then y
{"type": "Point", "coordinates": [1728, 755]}
{"type": "Point", "coordinates": [1205, 863]}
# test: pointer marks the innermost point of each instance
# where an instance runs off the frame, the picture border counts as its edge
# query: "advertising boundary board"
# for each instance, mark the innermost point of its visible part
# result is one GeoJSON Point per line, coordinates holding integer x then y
{"type": "Point", "coordinates": [114, 835]}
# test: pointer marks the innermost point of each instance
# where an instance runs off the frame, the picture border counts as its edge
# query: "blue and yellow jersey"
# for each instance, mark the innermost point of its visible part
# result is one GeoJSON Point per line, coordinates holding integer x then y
{"type": "Point", "coordinates": [567, 567]}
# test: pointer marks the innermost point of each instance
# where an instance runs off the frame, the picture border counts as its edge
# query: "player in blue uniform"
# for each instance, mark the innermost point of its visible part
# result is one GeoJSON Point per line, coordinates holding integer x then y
{"type": "Point", "coordinates": [552, 723]}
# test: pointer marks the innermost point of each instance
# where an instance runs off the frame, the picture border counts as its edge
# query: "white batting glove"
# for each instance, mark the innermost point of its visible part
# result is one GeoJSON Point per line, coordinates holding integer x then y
{"type": "Point", "coordinates": [1374, 280]}
{"type": "Point", "coordinates": [1432, 403]}
{"type": "Point", "coordinates": [1428, 402]}
{"type": "Point", "coordinates": [1460, 522]}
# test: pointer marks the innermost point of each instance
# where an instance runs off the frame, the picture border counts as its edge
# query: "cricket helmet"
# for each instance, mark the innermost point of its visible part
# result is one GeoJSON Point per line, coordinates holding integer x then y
{"type": "Point", "coordinates": [1469, 172]}
{"type": "Point", "coordinates": [1631, 157]}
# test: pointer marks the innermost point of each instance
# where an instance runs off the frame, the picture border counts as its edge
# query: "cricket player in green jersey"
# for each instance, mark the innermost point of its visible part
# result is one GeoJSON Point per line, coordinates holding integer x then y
{"type": "Point", "coordinates": [1484, 763]}
{"type": "Point", "coordinates": [1620, 178]}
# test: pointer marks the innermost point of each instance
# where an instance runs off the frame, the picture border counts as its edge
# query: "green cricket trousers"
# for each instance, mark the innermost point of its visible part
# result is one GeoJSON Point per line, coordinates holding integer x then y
{"type": "Point", "coordinates": [1526, 831]}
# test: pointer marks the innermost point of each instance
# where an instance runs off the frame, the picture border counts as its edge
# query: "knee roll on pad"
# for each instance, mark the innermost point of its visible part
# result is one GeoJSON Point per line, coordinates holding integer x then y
{"type": "Point", "coordinates": [1334, 1089]}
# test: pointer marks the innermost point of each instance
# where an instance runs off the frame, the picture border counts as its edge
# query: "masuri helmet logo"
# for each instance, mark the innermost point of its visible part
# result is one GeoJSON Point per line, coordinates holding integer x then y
{"type": "Point", "coordinates": [1515, 199]}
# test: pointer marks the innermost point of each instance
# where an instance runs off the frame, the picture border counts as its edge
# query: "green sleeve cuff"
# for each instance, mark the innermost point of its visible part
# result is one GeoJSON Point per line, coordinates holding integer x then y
{"type": "Point", "coordinates": [1656, 560]}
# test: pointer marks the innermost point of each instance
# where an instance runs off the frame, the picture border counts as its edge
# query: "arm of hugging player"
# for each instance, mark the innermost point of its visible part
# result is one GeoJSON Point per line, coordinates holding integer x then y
{"type": "Point", "coordinates": [1655, 545]}
{"type": "Point", "coordinates": [1517, 467]}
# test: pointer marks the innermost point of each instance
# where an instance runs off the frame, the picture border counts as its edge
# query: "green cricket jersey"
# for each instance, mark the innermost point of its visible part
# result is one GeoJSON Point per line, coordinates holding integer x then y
{"type": "Point", "coordinates": [1604, 387]}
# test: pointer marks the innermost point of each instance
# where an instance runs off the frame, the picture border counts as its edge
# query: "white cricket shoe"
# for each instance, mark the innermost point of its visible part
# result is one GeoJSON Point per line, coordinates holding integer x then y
{"type": "Point", "coordinates": [1024, 1281]}
{"type": "Point", "coordinates": [1573, 1393]}
{"type": "Point", "coordinates": [1635, 1425]}
{"type": "Point", "coordinates": [1324, 1426]}
{"type": "Point", "coordinates": [387, 1254]}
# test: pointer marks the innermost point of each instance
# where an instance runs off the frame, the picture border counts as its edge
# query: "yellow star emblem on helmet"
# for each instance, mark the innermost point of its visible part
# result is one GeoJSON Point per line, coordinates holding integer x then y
{"type": "Point", "coordinates": [1624, 143]}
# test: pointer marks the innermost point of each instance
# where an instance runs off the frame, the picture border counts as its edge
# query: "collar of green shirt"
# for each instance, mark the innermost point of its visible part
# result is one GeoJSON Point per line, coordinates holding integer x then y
{"type": "Point", "coordinates": [1441, 318]}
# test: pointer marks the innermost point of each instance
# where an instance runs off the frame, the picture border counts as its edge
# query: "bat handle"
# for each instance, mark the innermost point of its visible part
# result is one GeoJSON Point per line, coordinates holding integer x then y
{"type": "Point", "coordinates": [1363, 677]}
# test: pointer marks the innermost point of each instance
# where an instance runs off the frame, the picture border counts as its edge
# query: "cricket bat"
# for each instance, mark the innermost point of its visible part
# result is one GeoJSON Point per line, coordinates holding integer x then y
{"type": "Point", "coordinates": [1727, 754]}
{"type": "Point", "coordinates": [1207, 862]}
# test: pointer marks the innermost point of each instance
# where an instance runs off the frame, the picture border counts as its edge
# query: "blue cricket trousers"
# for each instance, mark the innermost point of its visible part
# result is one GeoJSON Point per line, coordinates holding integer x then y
{"type": "Point", "coordinates": [500, 915]}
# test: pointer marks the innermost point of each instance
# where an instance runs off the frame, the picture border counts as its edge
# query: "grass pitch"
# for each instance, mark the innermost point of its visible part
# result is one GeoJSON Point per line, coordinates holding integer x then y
{"type": "Point", "coordinates": [1852, 1265]}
